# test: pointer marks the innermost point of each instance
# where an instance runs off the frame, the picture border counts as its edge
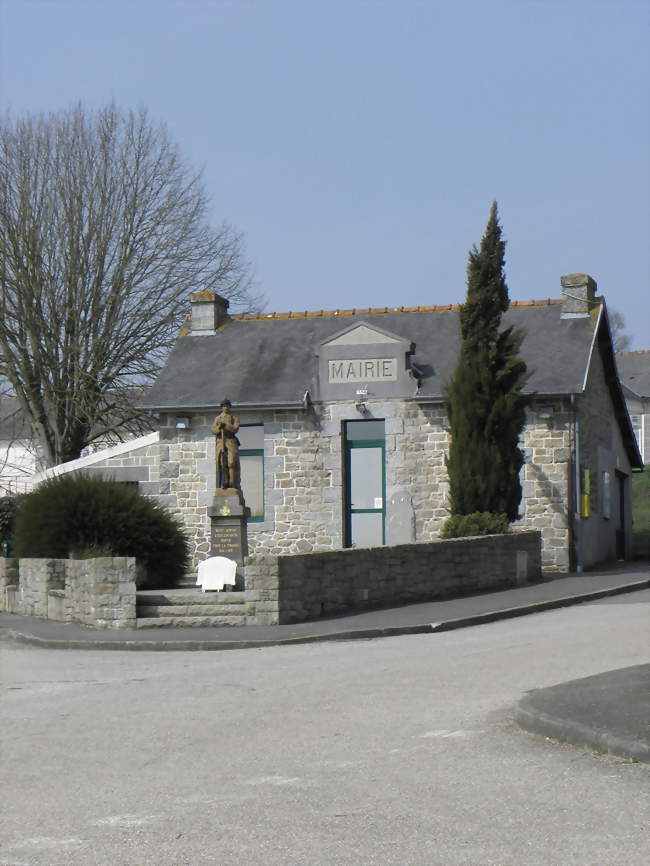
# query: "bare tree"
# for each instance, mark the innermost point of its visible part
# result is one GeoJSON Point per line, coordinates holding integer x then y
{"type": "Point", "coordinates": [620, 339]}
{"type": "Point", "coordinates": [103, 233]}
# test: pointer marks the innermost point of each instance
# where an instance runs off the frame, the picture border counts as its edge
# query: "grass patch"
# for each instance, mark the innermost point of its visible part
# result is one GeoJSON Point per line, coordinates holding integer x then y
{"type": "Point", "coordinates": [641, 514]}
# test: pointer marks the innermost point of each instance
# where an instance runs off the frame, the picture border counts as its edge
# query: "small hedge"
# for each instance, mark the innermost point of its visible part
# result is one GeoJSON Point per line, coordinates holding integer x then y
{"type": "Point", "coordinates": [478, 523]}
{"type": "Point", "coordinates": [8, 511]}
{"type": "Point", "coordinates": [81, 516]}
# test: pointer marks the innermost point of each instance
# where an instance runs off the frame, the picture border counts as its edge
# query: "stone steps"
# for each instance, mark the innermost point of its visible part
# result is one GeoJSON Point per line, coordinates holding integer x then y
{"type": "Point", "coordinates": [188, 621]}
{"type": "Point", "coordinates": [187, 607]}
{"type": "Point", "coordinates": [172, 610]}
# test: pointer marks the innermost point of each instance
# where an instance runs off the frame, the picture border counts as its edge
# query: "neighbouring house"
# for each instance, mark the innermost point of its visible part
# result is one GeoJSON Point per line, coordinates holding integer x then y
{"type": "Point", "coordinates": [344, 432]}
{"type": "Point", "coordinates": [21, 464]}
{"type": "Point", "coordinates": [634, 373]}
{"type": "Point", "coordinates": [18, 454]}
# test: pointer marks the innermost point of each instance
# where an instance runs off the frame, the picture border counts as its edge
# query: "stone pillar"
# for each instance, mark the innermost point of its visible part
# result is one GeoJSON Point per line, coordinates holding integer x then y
{"type": "Point", "coordinates": [228, 529]}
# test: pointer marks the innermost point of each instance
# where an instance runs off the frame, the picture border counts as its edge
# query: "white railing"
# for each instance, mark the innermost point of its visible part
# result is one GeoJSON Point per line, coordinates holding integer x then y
{"type": "Point", "coordinates": [9, 486]}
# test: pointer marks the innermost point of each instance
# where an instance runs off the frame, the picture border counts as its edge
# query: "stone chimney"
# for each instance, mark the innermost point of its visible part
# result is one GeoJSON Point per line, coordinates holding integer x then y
{"type": "Point", "coordinates": [578, 295]}
{"type": "Point", "coordinates": [209, 312]}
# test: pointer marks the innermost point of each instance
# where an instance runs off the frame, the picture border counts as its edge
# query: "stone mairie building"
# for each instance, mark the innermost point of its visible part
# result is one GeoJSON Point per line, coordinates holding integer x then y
{"type": "Point", "coordinates": [343, 428]}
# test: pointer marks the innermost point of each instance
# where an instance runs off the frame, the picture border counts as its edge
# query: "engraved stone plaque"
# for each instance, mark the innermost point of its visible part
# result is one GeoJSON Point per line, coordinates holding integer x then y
{"type": "Point", "coordinates": [401, 518]}
{"type": "Point", "coordinates": [228, 539]}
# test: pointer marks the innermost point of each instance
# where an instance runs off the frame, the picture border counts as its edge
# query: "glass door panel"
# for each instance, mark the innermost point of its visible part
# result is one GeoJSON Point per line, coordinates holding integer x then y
{"type": "Point", "coordinates": [367, 529]}
{"type": "Point", "coordinates": [366, 478]}
{"type": "Point", "coordinates": [364, 483]}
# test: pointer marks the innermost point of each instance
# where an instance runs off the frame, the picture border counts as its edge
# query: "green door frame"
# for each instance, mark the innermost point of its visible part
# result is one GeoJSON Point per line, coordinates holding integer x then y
{"type": "Point", "coordinates": [350, 445]}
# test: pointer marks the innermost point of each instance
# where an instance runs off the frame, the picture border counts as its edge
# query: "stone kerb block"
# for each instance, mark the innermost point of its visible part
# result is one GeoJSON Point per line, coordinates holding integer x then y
{"type": "Point", "coordinates": [97, 592]}
{"type": "Point", "coordinates": [261, 590]}
{"type": "Point", "coordinates": [56, 606]}
{"type": "Point", "coordinates": [8, 572]}
{"type": "Point", "coordinates": [36, 577]}
{"type": "Point", "coordinates": [111, 589]}
{"type": "Point", "coordinates": [8, 584]}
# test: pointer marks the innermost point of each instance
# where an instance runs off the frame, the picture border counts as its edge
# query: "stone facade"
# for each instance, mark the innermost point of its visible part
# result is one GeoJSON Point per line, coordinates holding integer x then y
{"type": "Point", "coordinates": [285, 589]}
{"type": "Point", "coordinates": [546, 475]}
{"type": "Point", "coordinates": [601, 452]}
{"type": "Point", "coordinates": [96, 592]}
{"type": "Point", "coordinates": [303, 472]}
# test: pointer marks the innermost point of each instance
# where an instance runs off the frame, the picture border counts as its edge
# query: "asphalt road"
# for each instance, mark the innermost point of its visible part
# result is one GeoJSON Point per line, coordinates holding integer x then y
{"type": "Point", "coordinates": [399, 751]}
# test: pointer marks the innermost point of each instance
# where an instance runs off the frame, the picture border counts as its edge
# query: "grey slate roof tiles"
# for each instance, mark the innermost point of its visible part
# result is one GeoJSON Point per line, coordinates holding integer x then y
{"type": "Point", "coordinates": [271, 358]}
{"type": "Point", "coordinates": [634, 371]}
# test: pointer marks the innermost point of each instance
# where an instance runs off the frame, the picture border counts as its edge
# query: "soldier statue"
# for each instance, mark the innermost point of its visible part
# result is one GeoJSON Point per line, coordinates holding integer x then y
{"type": "Point", "coordinates": [225, 427]}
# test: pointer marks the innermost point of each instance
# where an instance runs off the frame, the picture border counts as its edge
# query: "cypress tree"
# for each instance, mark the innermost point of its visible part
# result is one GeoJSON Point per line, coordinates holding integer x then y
{"type": "Point", "coordinates": [484, 400]}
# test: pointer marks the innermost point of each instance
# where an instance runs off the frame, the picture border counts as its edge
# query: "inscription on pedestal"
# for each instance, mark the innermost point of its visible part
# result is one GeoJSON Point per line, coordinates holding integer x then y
{"type": "Point", "coordinates": [227, 540]}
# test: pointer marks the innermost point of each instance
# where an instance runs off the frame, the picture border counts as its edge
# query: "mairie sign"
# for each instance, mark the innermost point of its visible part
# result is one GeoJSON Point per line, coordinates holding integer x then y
{"type": "Point", "coordinates": [362, 370]}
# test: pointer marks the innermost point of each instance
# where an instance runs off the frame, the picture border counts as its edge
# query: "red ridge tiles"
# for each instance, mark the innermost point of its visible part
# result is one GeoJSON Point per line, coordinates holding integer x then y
{"type": "Point", "coordinates": [377, 311]}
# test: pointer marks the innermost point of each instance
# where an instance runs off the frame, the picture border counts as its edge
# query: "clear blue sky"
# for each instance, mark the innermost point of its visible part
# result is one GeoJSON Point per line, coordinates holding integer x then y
{"type": "Point", "coordinates": [358, 145]}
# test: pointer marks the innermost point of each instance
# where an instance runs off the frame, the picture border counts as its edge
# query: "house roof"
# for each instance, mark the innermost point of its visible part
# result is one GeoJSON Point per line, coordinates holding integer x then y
{"type": "Point", "coordinates": [14, 424]}
{"type": "Point", "coordinates": [634, 371]}
{"type": "Point", "coordinates": [269, 359]}
{"type": "Point", "coordinates": [12, 421]}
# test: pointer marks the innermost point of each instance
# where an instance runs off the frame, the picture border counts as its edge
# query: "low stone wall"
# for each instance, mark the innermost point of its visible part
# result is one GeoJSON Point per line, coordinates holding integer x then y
{"type": "Point", "coordinates": [8, 571]}
{"type": "Point", "coordinates": [294, 588]}
{"type": "Point", "coordinates": [284, 589]}
{"type": "Point", "coordinates": [96, 592]}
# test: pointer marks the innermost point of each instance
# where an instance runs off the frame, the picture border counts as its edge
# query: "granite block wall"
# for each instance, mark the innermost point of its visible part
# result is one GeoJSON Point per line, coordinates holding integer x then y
{"type": "Point", "coordinates": [8, 584]}
{"type": "Point", "coordinates": [285, 589]}
{"type": "Point", "coordinates": [303, 475]}
{"type": "Point", "coordinates": [96, 592]}
{"type": "Point", "coordinates": [546, 479]}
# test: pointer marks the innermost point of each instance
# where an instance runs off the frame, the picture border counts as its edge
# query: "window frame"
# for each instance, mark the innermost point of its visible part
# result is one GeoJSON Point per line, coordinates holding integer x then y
{"type": "Point", "coordinates": [255, 452]}
{"type": "Point", "coordinates": [350, 443]}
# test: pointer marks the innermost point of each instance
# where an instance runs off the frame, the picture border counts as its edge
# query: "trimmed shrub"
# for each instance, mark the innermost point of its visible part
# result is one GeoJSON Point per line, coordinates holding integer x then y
{"type": "Point", "coordinates": [478, 523]}
{"type": "Point", "coordinates": [8, 510]}
{"type": "Point", "coordinates": [80, 516]}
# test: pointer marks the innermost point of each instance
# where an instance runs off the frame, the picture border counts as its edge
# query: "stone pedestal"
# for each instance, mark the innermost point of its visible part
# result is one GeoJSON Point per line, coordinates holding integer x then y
{"type": "Point", "coordinates": [228, 528]}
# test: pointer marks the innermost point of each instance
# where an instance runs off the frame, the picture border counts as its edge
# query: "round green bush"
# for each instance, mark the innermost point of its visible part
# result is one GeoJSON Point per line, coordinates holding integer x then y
{"type": "Point", "coordinates": [80, 516]}
{"type": "Point", "coordinates": [478, 523]}
{"type": "Point", "coordinates": [8, 511]}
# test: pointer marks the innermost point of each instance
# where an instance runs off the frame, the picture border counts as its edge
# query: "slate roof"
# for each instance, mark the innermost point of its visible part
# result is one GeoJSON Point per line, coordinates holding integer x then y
{"type": "Point", "coordinates": [634, 371]}
{"type": "Point", "coordinates": [269, 359]}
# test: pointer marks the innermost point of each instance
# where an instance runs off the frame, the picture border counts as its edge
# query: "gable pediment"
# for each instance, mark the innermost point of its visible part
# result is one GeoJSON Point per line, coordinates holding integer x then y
{"type": "Point", "coordinates": [362, 335]}
{"type": "Point", "coordinates": [364, 358]}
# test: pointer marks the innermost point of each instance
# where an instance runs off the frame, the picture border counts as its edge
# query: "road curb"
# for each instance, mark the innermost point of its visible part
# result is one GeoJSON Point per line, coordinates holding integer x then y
{"type": "Point", "coordinates": [538, 606]}
{"type": "Point", "coordinates": [537, 721]}
{"type": "Point", "coordinates": [357, 634]}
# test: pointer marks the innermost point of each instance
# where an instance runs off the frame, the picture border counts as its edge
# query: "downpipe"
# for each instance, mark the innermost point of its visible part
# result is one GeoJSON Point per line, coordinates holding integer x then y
{"type": "Point", "coordinates": [576, 485]}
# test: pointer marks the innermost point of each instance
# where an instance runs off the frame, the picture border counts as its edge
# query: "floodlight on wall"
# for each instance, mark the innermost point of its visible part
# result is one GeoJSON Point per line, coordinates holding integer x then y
{"type": "Point", "coordinates": [182, 423]}
{"type": "Point", "coordinates": [545, 413]}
